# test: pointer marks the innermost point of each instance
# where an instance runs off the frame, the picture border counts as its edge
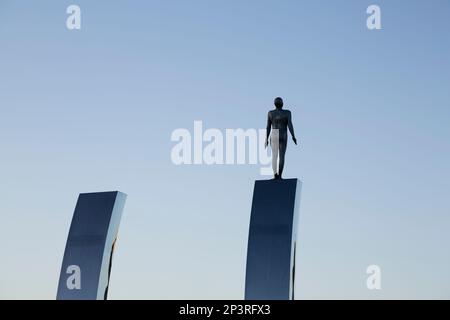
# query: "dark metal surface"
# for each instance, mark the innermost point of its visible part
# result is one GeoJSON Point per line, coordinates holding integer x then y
{"type": "Point", "coordinates": [89, 246]}
{"type": "Point", "coordinates": [271, 242]}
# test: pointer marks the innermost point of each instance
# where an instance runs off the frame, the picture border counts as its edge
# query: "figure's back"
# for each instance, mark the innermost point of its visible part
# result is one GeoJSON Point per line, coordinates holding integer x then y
{"type": "Point", "coordinates": [279, 118]}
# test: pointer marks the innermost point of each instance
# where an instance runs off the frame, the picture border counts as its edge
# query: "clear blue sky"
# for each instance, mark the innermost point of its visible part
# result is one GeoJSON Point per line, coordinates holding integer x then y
{"type": "Point", "coordinates": [93, 110]}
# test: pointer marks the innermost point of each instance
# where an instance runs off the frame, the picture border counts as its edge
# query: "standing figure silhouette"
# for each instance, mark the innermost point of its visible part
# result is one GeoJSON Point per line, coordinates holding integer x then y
{"type": "Point", "coordinates": [278, 121]}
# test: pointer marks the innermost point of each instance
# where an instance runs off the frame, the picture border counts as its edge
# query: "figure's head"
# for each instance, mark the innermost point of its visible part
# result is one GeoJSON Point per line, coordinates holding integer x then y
{"type": "Point", "coordinates": [278, 102]}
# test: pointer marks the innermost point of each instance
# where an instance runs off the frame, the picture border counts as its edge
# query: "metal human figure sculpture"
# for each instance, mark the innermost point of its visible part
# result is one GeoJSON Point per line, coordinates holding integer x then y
{"type": "Point", "coordinates": [279, 120]}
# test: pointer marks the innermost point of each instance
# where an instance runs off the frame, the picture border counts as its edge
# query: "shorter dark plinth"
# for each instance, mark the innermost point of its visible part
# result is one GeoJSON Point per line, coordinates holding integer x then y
{"type": "Point", "coordinates": [87, 257]}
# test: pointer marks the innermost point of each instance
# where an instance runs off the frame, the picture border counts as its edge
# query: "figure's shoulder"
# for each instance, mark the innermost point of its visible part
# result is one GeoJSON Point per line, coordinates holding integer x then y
{"type": "Point", "coordinates": [286, 111]}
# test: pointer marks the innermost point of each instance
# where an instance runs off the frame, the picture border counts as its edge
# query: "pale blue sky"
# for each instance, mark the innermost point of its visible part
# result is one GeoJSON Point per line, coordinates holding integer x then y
{"type": "Point", "coordinates": [93, 110]}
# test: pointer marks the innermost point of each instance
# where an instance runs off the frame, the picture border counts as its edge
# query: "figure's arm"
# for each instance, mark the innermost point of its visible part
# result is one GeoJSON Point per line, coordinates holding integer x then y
{"type": "Point", "coordinates": [291, 128]}
{"type": "Point", "coordinates": [268, 128]}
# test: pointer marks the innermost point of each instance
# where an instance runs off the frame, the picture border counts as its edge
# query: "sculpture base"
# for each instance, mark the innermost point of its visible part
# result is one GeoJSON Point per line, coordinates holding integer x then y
{"type": "Point", "coordinates": [271, 242]}
{"type": "Point", "coordinates": [87, 258]}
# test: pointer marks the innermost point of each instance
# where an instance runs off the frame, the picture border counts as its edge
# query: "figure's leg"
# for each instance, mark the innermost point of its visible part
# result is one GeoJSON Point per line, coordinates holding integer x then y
{"type": "Point", "coordinates": [274, 143]}
{"type": "Point", "coordinates": [283, 146]}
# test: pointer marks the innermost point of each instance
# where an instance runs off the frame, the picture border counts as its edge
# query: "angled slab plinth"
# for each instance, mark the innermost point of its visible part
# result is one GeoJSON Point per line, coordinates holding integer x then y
{"type": "Point", "coordinates": [270, 265]}
{"type": "Point", "coordinates": [88, 255]}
